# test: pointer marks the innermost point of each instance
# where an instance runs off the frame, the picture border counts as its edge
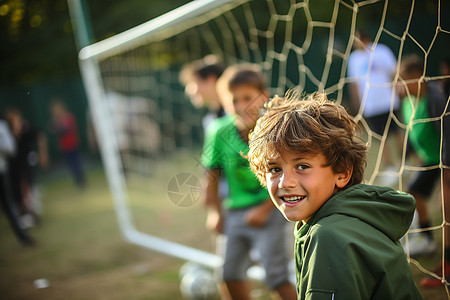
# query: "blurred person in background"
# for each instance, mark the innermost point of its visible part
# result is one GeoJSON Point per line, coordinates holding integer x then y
{"type": "Point", "coordinates": [199, 79]}
{"type": "Point", "coordinates": [31, 151]}
{"type": "Point", "coordinates": [443, 268]}
{"type": "Point", "coordinates": [9, 205]}
{"type": "Point", "coordinates": [64, 126]}
{"type": "Point", "coordinates": [422, 100]}
{"type": "Point", "coordinates": [373, 69]}
{"type": "Point", "coordinates": [445, 71]}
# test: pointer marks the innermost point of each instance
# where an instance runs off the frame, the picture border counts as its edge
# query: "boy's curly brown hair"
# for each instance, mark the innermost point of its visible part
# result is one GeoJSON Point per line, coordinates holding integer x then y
{"type": "Point", "coordinates": [309, 125]}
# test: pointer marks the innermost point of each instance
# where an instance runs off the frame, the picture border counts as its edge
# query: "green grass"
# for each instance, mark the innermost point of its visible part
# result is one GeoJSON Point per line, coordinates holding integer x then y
{"type": "Point", "coordinates": [81, 252]}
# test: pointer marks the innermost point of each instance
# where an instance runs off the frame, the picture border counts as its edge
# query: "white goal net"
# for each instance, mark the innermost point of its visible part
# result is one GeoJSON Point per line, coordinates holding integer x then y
{"type": "Point", "coordinates": [151, 136]}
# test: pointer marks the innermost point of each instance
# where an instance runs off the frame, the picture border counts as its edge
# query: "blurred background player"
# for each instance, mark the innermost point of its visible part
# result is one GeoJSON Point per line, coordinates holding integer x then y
{"type": "Point", "coordinates": [376, 67]}
{"type": "Point", "coordinates": [8, 204]}
{"type": "Point", "coordinates": [64, 126]}
{"type": "Point", "coordinates": [199, 79]}
{"type": "Point", "coordinates": [31, 151]}
{"type": "Point", "coordinates": [246, 216]}
{"type": "Point", "coordinates": [443, 268]}
{"type": "Point", "coordinates": [422, 100]}
{"type": "Point", "coordinates": [445, 71]}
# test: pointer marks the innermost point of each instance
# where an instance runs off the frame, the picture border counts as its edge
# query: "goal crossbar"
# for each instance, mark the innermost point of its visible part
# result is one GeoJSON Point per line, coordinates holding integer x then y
{"type": "Point", "coordinates": [145, 32]}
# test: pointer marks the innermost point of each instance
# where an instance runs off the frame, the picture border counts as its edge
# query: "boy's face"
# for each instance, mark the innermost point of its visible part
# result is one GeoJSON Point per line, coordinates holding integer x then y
{"type": "Point", "coordinates": [247, 102]}
{"type": "Point", "coordinates": [202, 92]}
{"type": "Point", "coordinates": [299, 185]}
{"type": "Point", "coordinates": [360, 43]}
{"type": "Point", "coordinates": [413, 87]}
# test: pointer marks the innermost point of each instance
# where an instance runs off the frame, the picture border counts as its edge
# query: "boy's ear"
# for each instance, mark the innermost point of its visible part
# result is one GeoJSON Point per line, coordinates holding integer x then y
{"type": "Point", "coordinates": [343, 178]}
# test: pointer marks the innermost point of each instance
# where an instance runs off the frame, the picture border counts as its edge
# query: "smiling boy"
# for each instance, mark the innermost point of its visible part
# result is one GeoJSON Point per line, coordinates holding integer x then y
{"type": "Point", "coordinates": [305, 150]}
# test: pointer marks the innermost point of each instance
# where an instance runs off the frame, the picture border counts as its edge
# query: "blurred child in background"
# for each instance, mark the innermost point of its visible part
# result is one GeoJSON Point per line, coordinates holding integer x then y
{"type": "Point", "coordinates": [64, 125]}
{"type": "Point", "coordinates": [200, 78]}
{"type": "Point", "coordinates": [31, 151]}
{"type": "Point", "coordinates": [373, 69]}
{"type": "Point", "coordinates": [246, 216]}
{"type": "Point", "coordinates": [436, 105]}
{"type": "Point", "coordinates": [422, 100]}
{"type": "Point", "coordinates": [200, 81]}
{"type": "Point", "coordinates": [7, 197]}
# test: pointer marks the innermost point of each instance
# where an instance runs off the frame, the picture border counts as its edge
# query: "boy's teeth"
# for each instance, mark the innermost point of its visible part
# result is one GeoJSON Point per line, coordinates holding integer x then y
{"type": "Point", "coordinates": [293, 199]}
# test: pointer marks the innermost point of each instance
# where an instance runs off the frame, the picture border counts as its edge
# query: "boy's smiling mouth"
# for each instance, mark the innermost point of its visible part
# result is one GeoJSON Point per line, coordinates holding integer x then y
{"type": "Point", "coordinates": [292, 199]}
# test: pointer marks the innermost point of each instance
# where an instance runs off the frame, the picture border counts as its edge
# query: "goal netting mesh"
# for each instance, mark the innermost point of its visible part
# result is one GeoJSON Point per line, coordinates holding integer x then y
{"type": "Point", "coordinates": [151, 136]}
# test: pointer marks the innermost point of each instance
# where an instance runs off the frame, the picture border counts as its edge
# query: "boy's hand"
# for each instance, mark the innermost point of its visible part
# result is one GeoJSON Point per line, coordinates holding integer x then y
{"type": "Point", "coordinates": [214, 221]}
{"type": "Point", "coordinates": [257, 216]}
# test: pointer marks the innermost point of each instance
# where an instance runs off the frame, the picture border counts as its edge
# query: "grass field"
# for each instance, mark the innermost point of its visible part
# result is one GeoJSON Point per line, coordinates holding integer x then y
{"type": "Point", "coordinates": [82, 254]}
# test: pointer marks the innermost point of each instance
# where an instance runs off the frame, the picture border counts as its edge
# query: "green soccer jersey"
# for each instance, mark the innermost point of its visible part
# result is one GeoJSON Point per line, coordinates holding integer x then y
{"type": "Point", "coordinates": [423, 135]}
{"type": "Point", "coordinates": [225, 149]}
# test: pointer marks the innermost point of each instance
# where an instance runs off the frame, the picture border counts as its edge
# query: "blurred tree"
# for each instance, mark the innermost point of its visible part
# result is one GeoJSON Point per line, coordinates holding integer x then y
{"type": "Point", "coordinates": [37, 41]}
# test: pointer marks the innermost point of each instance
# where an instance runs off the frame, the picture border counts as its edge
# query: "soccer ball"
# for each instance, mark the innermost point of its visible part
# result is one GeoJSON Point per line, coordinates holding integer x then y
{"type": "Point", "coordinates": [190, 267]}
{"type": "Point", "coordinates": [197, 283]}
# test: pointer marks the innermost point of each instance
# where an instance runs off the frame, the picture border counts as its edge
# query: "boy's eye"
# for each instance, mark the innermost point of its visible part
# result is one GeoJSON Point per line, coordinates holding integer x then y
{"type": "Point", "coordinates": [302, 167]}
{"type": "Point", "coordinates": [274, 170]}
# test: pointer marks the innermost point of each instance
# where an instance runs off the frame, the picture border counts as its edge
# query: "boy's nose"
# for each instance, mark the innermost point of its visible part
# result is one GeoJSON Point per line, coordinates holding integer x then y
{"type": "Point", "coordinates": [240, 107]}
{"type": "Point", "coordinates": [286, 181]}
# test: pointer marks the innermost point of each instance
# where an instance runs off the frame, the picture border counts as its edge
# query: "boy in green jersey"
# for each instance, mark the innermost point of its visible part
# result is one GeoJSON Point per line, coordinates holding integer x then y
{"type": "Point", "coordinates": [347, 236]}
{"type": "Point", "coordinates": [423, 106]}
{"type": "Point", "coordinates": [419, 103]}
{"type": "Point", "coordinates": [246, 217]}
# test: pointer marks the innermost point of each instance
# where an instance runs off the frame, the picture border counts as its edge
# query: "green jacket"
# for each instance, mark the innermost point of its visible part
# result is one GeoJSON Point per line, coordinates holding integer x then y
{"type": "Point", "coordinates": [350, 248]}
